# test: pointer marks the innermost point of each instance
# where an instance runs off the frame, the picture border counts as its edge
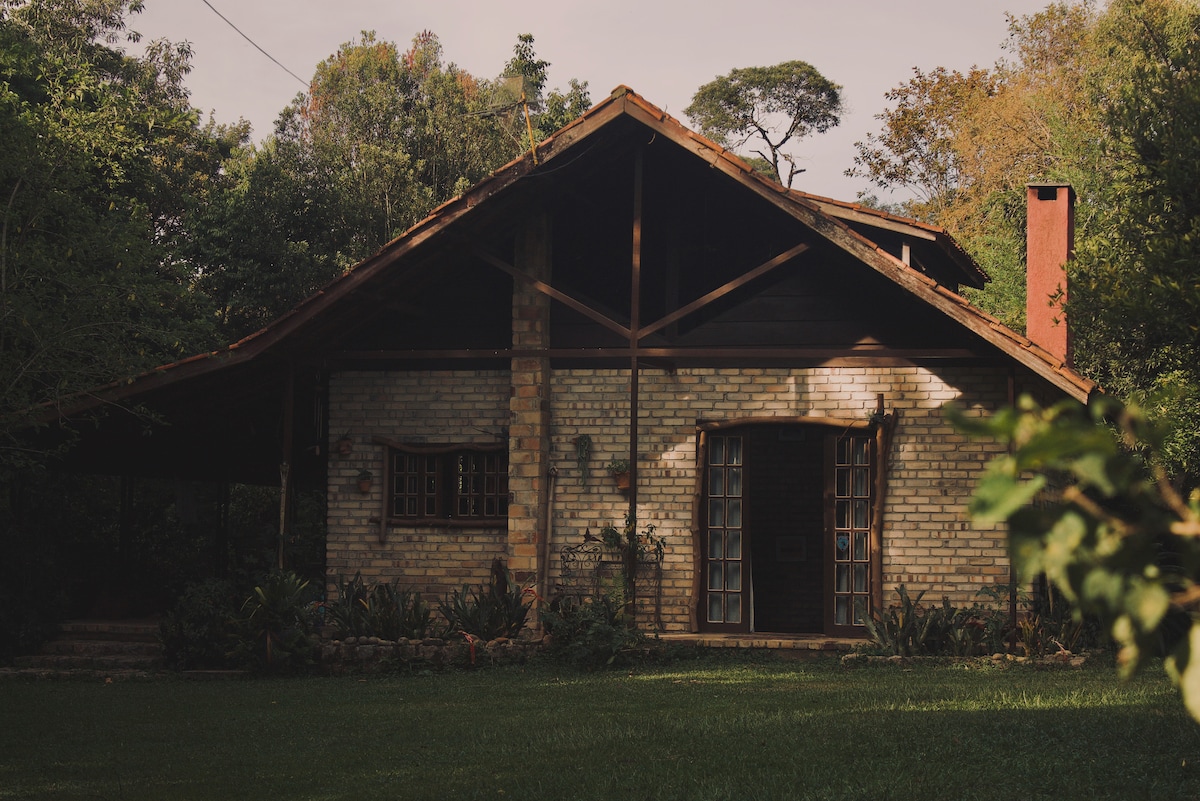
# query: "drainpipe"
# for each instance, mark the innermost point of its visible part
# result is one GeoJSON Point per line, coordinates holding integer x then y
{"type": "Point", "coordinates": [547, 536]}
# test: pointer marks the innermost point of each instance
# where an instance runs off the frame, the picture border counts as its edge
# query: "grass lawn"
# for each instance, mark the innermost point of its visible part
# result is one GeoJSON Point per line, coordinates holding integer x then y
{"type": "Point", "coordinates": [723, 727]}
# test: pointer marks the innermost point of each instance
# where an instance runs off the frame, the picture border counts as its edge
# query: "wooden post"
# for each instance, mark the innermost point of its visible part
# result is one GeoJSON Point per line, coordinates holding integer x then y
{"type": "Point", "coordinates": [285, 466]}
{"type": "Point", "coordinates": [635, 300]}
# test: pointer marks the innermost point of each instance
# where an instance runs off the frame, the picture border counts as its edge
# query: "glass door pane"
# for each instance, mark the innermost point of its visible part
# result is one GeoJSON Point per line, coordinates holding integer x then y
{"type": "Point", "coordinates": [853, 502]}
{"type": "Point", "coordinates": [724, 584]}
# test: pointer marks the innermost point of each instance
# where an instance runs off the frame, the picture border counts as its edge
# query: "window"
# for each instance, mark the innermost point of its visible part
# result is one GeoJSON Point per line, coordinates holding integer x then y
{"type": "Point", "coordinates": [464, 485]}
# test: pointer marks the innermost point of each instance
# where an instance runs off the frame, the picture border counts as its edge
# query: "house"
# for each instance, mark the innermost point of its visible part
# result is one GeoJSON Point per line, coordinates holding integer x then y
{"type": "Point", "coordinates": [773, 364]}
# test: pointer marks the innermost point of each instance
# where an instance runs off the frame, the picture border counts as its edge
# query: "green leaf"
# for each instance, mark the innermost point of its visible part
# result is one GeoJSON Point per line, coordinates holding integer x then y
{"type": "Point", "coordinates": [1184, 669]}
{"type": "Point", "coordinates": [1000, 493]}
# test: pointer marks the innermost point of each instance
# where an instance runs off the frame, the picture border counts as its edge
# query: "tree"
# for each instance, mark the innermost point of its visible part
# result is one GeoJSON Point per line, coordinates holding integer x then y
{"type": "Point", "coordinates": [963, 145]}
{"type": "Point", "coordinates": [1109, 527]}
{"type": "Point", "coordinates": [102, 157]}
{"type": "Point", "coordinates": [772, 105]}
{"type": "Point", "coordinates": [1136, 296]}
{"type": "Point", "coordinates": [1107, 102]}
{"type": "Point", "coordinates": [380, 139]}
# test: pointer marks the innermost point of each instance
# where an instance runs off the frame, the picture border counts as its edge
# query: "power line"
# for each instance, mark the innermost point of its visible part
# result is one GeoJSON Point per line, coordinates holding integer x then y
{"type": "Point", "coordinates": [303, 82]}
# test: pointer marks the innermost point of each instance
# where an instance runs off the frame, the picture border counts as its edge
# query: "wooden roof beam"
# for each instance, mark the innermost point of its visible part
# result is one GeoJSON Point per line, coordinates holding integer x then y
{"type": "Point", "coordinates": [561, 297]}
{"type": "Point", "coordinates": [721, 291]}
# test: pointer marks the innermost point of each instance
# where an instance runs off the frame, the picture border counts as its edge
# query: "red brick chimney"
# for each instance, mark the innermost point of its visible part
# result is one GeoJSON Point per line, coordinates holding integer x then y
{"type": "Point", "coordinates": [1050, 241]}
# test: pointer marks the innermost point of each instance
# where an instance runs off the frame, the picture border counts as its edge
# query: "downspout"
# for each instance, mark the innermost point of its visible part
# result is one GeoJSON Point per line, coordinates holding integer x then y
{"type": "Point", "coordinates": [1012, 574]}
{"type": "Point", "coordinates": [547, 536]}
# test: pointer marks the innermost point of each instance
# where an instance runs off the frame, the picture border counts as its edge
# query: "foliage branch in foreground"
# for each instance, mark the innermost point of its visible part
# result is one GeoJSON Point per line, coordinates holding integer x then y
{"type": "Point", "coordinates": [1090, 506]}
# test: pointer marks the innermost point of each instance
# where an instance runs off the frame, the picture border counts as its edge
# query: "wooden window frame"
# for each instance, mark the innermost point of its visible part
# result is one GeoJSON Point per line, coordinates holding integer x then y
{"type": "Point", "coordinates": [438, 496]}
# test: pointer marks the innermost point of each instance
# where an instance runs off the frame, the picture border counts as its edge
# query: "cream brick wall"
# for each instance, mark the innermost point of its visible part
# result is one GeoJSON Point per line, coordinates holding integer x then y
{"type": "Point", "coordinates": [929, 543]}
{"type": "Point", "coordinates": [415, 408]}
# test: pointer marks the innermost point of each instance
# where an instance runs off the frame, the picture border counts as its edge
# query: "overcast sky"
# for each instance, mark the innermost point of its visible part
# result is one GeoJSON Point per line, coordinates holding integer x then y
{"type": "Point", "coordinates": [662, 49]}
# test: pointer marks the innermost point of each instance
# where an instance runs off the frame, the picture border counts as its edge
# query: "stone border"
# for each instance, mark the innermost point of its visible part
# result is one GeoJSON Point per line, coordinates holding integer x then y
{"type": "Point", "coordinates": [374, 655]}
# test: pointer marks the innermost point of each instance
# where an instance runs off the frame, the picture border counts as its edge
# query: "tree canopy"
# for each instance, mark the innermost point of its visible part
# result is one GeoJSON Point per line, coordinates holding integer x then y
{"type": "Point", "coordinates": [132, 234]}
{"type": "Point", "coordinates": [1108, 102]}
{"type": "Point", "coordinates": [381, 138]}
{"type": "Point", "coordinates": [102, 158]}
{"type": "Point", "coordinates": [770, 106]}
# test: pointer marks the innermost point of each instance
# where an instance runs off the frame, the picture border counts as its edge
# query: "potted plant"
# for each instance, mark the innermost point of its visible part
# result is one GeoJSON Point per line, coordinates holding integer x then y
{"type": "Point", "coordinates": [364, 480]}
{"type": "Point", "coordinates": [619, 468]}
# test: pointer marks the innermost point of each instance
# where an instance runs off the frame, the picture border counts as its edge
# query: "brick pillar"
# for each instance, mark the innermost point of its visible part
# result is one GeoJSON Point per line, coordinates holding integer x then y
{"type": "Point", "coordinates": [529, 404]}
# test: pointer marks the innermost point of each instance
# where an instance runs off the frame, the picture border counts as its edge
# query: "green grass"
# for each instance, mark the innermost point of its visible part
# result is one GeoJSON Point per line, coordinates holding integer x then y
{"type": "Point", "coordinates": [720, 728]}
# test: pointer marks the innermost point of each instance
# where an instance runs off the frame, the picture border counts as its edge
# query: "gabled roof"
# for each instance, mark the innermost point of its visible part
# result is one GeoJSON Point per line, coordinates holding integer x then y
{"type": "Point", "coordinates": [833, 220]}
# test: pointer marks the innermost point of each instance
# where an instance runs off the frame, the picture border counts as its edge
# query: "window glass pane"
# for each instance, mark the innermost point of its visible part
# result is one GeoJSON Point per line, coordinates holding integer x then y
{"type": "Point", "coordinates": [735, 482]}
{"type": "Point", "coordinates": [843, 482]}
{"type": "Point", "coordinates": [860, 578]}
{"type": "Point", "coordinates": [733, 576]}
{"type": "Point", "coordinates": [410, 485]}
{"type": "Point", "coordinates": [489, 507]}
{"type": "Point", "coordinates": [842, 580]}
{"type": "Point", "coordinates": [860, 610]}
{"type": "Point", "coordinates": [716, 513]}
{"type": "Point", "coordinates": [733, 609]}
{"type": "Point", "coordinates": [716, 481]}
{"type": "Point", "coordinates": [716, 576]}
{"type": "Point", "coordinates": [843, 514]}
{"type": "Point", "coordinates": [843, 451]}
{"type": "Point", "coordinates": [714, 609]}
{"type": "Point", "coordinates": [716, 450]}
{"type": "Point", "coordinates": [860, 514]}
{"type": "Point", "coordinates": [841, 610]}
{"type": "Point", "coordinates": [733, 544]}
{"type": "Point", "coordinates": [714, 543]}
{"type": "Point", "coordinates": [734, 455]}
{"type": "Point", "coordinates": [860, 546]}
{"type": "Point", "coordinates": [862, 450]}
{"type": "Point", "coordinates": [410, 507]}
{"type": "Point", "coordinates": [842, 544]}
{"type": "Point", "coordinates": [862, 482]}
{"type": "Point", "coordinates": [734, 508]}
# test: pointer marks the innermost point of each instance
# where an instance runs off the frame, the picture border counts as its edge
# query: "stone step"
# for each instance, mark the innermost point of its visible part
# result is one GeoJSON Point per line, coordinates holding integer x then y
{"type": "Point", "coordinates": [101, 648]}
{"type": "Point", "coordinates": [88, 662]}
{"type": "Point", "coordinates": [123, 630]}
{"type": "Point", "coordinates": [98, 646]}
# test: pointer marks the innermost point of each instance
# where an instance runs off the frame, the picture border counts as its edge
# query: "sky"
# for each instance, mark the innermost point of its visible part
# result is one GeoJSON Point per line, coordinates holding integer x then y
{"type": "Point", "coordinates": [662, 49]}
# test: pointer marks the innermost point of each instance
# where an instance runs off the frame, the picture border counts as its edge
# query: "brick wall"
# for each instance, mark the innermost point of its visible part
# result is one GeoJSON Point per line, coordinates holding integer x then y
{"type": "Point", "coordinates": [418, 408]}
{"type": "Point", "coordinates": [929, 543]}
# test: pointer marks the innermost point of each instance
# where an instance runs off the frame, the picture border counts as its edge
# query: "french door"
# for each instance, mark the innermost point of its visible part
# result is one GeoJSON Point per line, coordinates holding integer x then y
{"type": "Point", "coordinates": [789, 541]}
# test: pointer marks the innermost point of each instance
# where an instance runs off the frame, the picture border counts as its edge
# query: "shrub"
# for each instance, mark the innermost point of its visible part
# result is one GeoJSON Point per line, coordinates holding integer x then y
{"type": "Point", "coordinates": [591, 633]}
{"type": "Point", "coordinates": [274, 625]}
{"type": "Point", "coordinates": [499, 610]}
{"type": "Point", "coordinates": [1047, 626]}
{"type": "Point", "coordinates": [380, 610]}
{"type": "Point", "coordinates": [198, 631]}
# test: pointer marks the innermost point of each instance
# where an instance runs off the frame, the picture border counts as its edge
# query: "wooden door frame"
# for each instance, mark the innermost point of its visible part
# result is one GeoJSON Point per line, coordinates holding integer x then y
{"type": "Point", "coordinates": [880, 423]}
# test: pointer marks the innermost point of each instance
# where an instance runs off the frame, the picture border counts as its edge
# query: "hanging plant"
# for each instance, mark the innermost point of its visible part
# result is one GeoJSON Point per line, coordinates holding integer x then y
{"type": "Point", "coordinates": [583, 452]}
